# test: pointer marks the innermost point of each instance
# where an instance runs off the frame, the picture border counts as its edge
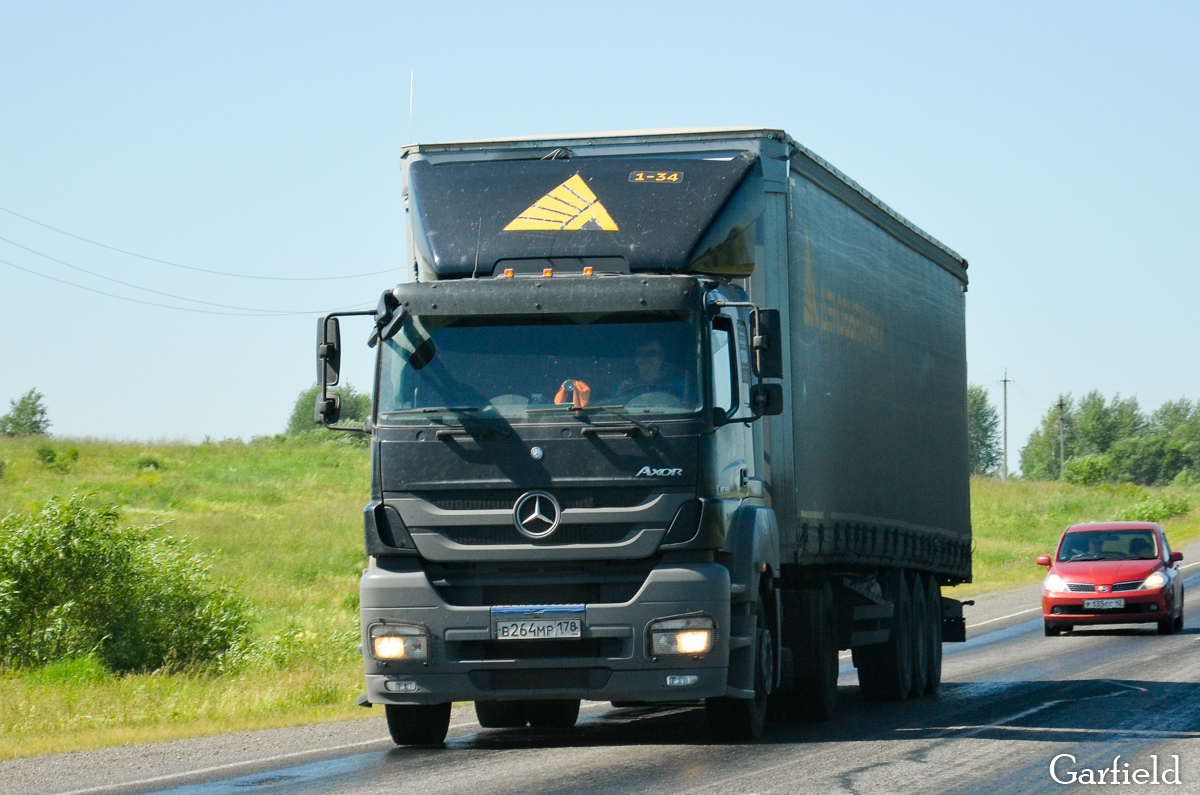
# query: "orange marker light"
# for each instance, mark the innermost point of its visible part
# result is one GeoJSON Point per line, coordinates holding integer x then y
{"type": "Point", "coordinates": [508, 272]}
{"type": "Point", "coordinates": [587, 271]}
{"type": "Point", "coordinates": [548, 272]}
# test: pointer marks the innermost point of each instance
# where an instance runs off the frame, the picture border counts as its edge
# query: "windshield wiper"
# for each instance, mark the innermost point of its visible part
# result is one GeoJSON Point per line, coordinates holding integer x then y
{"type": "Point", "coordinates": [430, 410]}
{"type": "Point", "coordinates": [614, 409]}
{"type": "Point", "coordinates": [1085, 556]}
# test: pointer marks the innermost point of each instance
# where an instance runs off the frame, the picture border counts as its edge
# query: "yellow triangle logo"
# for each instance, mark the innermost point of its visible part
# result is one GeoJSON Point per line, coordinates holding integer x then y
{"type": "Point", "coordinates": [570, 206]}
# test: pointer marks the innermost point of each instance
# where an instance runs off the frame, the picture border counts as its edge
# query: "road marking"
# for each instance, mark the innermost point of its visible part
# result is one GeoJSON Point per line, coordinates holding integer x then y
{"type": "Point", "coordinates": [1001, 618]}
{"type": "Point", "coordinates": [386, 741]}
{"type": "Point", "coordinates": [244, 763]}
{"type": "Point", "coordinates": [1074, 730]}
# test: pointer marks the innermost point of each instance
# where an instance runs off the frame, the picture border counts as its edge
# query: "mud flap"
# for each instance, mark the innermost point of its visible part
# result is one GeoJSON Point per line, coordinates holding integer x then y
{"type": "Point", "coordinates": [954, 626]}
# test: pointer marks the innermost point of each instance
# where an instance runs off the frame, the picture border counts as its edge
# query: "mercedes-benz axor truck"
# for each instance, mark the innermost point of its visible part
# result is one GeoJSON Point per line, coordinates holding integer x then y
{"type": "Point", "coordinates": [658, 417]}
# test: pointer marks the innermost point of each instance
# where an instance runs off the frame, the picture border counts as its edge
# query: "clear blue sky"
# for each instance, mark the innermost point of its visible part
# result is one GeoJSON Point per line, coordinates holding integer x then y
{"type": "Point", "coordinates": [1053, 145]}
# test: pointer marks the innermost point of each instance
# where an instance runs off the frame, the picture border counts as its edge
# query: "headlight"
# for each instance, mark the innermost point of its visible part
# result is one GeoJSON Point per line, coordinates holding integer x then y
{"type": "Point", "coordinates": [1055, 584]}
{"type": "Point", "coordinates": [1155, 580]}
{"type": "Point", "coordinates": [683, 635]}
{"type": "Point", "coordinates": [399, 642]}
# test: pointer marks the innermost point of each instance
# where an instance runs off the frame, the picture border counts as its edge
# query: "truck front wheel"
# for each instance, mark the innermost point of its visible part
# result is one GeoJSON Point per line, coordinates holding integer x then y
{"type": "Point", "coordinates": [736, 719]}
{"type": "Point", "coordinates": [418, 724]}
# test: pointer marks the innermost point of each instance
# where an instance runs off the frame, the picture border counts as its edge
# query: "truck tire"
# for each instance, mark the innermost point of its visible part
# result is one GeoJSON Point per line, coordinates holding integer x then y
{"type": "Point", "coordinates": [418, 724]}
{"type": "Point", "coordinates": [740, 719]}
{"type": "Point", "coordinates": [933, 603]}
{"type": "Point", "coordinates": [885, 669]}
{"type": "Point", "coordinates": [500, 714]}
{"type": "Point", "coordinates": [556, 714]}
{"type": "Point", "coordinates": [921, 633]}
{"type": "Point", "coordinates": [813, 696]}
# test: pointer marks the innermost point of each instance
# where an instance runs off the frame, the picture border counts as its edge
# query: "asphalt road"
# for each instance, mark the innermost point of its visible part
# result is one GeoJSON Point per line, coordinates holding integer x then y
{"type": "Point", "coordinates": [1011, 701]}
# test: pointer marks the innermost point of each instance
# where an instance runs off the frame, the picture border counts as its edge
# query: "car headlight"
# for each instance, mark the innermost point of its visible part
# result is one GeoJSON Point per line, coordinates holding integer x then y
{"type": "Point", "coordinates": [399, 642]}
{"type": "Point", "coordinates": [1055, 584]}
{"type": "Point", "coordinates": [1155, 580]}
{"type": "Point", "coordinates": [683, 635]}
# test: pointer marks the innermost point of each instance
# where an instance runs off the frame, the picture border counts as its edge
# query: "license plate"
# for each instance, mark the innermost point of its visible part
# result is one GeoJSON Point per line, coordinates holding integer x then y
{"type": "Point", "coordinates": [1102, 604]}
{"type": "Point", "coordinates": [540, 622]}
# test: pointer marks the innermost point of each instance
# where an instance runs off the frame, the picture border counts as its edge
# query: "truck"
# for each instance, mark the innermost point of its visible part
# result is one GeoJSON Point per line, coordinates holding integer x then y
{"type": "Point", "coordinates": [658, 417]}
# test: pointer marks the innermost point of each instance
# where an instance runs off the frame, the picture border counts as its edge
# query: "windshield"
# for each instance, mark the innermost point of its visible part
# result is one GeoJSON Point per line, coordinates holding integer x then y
{"type": "Point", "coordinates": [1109, 545]}
{"type": "Point", "coordinates": [529, 368]}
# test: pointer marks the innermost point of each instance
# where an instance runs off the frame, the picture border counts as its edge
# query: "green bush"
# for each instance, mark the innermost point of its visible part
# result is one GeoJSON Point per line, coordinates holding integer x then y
{"type": "Point", "coordinates": [1157, 508]}
{"type": "Point", "coordinates": [1088, 470]}
{"type": "Point", "coordinates": [74, 582]}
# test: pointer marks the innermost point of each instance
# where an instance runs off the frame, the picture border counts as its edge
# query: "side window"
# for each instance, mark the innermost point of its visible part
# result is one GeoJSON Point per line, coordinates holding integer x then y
{"type": "Point", "coordinates": [724, 364]}
{"type": "Point", "coordinates": [1166, 548]}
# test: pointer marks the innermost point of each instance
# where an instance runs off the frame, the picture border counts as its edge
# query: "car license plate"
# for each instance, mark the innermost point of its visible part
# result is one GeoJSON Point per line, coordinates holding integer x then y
{"type": "Point", "coordinates": [537, 622]}
{"type": "Point", "coordinates": [1102, 604]}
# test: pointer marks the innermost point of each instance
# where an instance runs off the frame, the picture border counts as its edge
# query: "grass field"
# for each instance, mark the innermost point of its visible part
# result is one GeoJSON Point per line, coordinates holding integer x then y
{"type": "Point", "coordinates": [282, 521]}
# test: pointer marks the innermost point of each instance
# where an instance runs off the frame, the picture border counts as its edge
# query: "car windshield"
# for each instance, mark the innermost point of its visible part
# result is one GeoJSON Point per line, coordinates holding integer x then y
{"type": "Point", "coordinates": [1109, 545]}
{"type": "Point", "coordinates": [532, 368]}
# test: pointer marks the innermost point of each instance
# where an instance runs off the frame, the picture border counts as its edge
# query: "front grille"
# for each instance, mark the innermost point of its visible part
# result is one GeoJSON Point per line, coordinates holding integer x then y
{"type": "Point", "coordinates": [542, 679]}
{"type": "Point", "coordinates": [565, 534]}
{"type": "Point", "coordinates": [1081, 587]}
{"type": "Point", "coordinates": [560, 583]}
{"type": "Point", "coordinates": [576, 649]}
{"type": "Point", "coordinates": [1127, 586]}
{"type": "Point", "coordinates": [505, 499]}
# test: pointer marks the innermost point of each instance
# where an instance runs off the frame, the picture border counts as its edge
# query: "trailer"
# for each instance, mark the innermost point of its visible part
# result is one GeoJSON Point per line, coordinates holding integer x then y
{"type": "Point", "coordinates": [659, 417]}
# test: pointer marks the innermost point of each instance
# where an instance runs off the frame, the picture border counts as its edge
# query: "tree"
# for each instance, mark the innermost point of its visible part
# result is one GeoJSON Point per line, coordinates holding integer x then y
{"type": "Point", "coordinates": [983, 431]}
{"type": "Point", "coordinates": [356, 407]}
{"type": "Point", "coordinates": [28, 416]}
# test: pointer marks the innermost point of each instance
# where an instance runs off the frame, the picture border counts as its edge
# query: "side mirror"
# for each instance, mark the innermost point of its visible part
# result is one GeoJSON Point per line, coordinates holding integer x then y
{"type": "Point", "coordinates": [720, 417]}
{"type": "Point", "coordinates": [329, 408]}
{"type": "Point", "coordinates": [329, 351]}
{"type": "Point", "coordinates": [767, 399]}
{"type": "Point", "coordinates": [1175, 557]}
{"type": "Point", "coordinates": [1043, 560]}
{"type": "Point", "coordinates": [767, 344]}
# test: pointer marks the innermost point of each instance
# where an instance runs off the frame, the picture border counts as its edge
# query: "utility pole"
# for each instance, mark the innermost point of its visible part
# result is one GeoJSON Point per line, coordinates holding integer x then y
{"type": "Point", "coordinates": [1062, 440]}
{"type": "Point", "coordinates": [1004, 466]}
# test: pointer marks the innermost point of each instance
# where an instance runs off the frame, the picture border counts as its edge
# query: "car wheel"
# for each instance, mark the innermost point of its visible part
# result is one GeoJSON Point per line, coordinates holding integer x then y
{"type": "Point", "coordinates": [1166, 626]}
{"type": "Point", "coordinates": [1051, 630]}
{"type": "Point", "coordinates": [1179, 618]}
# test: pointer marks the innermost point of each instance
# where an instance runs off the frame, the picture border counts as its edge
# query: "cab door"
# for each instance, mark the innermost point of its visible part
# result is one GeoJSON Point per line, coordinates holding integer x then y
{"type": "Point", "coordinates": [729, 366]}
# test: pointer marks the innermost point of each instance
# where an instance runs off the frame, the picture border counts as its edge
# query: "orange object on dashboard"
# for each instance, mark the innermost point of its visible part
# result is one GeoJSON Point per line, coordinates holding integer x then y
{"type": "Point", "coordinates": [577, 393]}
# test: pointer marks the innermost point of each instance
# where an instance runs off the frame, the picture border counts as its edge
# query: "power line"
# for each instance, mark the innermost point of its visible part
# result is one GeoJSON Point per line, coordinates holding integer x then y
{"type": "Point", "coordinates": [146, 289]}
{"type": "Point", "coordinates": [192, 267]}
{"type": "Point", "coordinates": [153, 303]}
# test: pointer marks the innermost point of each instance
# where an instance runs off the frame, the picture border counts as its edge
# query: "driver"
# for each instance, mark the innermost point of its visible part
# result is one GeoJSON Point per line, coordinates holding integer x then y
{"type": "Point", "coordinates": [650, 373]}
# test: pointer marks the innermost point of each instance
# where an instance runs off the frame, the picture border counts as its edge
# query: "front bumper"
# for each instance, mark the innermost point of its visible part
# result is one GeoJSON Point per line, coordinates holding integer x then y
{"type": "Point", "coordinates": [609, 663]}
{"type": "Point", "coordinates": [1141, 607]}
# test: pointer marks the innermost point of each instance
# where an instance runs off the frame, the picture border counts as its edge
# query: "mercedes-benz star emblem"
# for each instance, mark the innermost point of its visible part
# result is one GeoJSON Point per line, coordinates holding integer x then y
{"type": "Point", "coordinates": [536, 514]}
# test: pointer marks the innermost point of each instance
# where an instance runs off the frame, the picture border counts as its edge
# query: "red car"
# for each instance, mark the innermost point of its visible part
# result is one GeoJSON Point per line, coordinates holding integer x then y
{"type": "Point", "coordinates": [1112, 573]}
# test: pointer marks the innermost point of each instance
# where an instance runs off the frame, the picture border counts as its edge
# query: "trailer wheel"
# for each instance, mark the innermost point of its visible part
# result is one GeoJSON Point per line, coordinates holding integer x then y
{"type": "Point", "coordinates": [737, 719]}
{"type": "Point", "coordinates": [418, 724]}
{"type": "Point", "coordinates": [933, 603]}
{"type": "Point", "coordinates": [885, 669]}
{"type": "Point", "coordinates": [813, 696]}
{"type": "Point", "coordinates": [500, 714]}
{"type": "Point", "coordinates": [559, 713]}
{"type": "Point", "coordinates": [921, 632]}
